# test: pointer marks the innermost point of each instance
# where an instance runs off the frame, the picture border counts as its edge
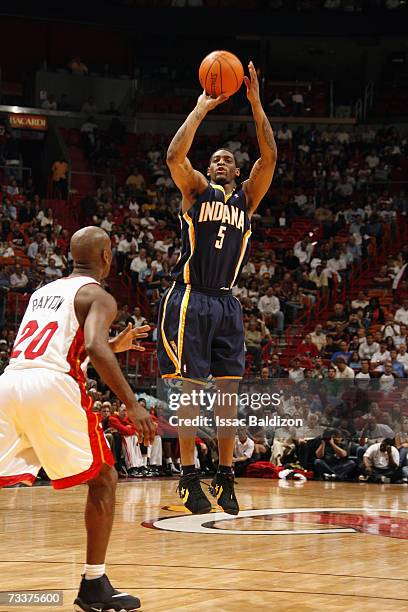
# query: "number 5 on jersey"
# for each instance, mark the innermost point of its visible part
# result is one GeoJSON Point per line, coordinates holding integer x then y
{"type": "Point", "coordinates": [221, 236]}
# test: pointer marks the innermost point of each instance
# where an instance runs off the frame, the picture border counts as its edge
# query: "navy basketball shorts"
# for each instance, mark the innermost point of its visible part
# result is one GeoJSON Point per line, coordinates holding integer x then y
{"type": "Point", "coordinates": [200, 333]}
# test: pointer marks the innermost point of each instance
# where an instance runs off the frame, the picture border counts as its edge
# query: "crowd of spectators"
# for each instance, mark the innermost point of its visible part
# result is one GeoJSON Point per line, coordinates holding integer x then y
{"type": "Point", "coordinates": [49, 101]}
{"type": "Point", "coordinates": [327, 429]}
{"type": "Point", "coordinates": [34, 247]}
{"type": "Point", "coordinates": [340, 180]}
{"type": "Point", "coordinates": [329, 177]}
{"type": "Point", "coordinates": [299, 5]}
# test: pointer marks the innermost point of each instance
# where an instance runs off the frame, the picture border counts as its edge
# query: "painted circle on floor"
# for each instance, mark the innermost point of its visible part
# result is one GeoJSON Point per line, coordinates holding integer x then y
{"type": "Point", "coordinates": [373, 521]}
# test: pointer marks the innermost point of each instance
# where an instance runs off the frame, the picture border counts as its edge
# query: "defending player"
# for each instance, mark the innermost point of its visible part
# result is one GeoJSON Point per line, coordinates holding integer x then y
{"type": "Point", "coordinates": [200, 322]}
{"type": "Point", "coordinates": [46, 416]}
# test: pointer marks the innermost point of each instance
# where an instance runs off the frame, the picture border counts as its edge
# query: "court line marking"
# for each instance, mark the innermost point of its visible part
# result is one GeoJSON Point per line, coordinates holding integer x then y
{"type": "Point", "coordinates": [231, 569]}
{"type": "Point", "coordinates": [203, 524]}
{"type": "Point", "coordinates": [237, 590]}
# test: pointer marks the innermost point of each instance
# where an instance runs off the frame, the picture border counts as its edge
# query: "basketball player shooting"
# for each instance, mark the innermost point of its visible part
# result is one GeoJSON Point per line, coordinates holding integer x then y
{"type": "Point", "coordinates": [200, 322]}
{"type": "Point", "coordinates": [46, 416]}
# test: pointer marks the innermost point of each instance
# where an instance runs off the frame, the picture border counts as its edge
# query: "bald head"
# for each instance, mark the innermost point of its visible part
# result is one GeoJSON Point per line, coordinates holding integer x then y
{"type": "Point", "coordinates": [91, 248]}
{"type": "Point", "coordinates": [88, 243]}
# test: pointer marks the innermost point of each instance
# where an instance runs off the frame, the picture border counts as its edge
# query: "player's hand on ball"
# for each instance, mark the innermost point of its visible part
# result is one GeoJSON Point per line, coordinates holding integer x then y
{"type": "Point", "coordinates": [143, 422]}
{"type": "Point", "coordinates": [125, 340]}
{"type": "Point", "coordinates": [252, 84]}
{"type": "Point", "coordinates": [206, 103]}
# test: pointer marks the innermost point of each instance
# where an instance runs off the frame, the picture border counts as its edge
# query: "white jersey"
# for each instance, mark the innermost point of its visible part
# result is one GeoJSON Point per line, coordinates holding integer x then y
{"type": "Point", "coordinates": [49, 335]}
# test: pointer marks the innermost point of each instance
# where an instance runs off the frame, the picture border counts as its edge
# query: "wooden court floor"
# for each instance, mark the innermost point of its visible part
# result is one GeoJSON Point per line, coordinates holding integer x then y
{"type": "Point", "coordinates": [295, 547]}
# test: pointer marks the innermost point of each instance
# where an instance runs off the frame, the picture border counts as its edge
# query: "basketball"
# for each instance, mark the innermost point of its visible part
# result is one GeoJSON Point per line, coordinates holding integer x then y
{"type": "Point", "coordinates": [221, 72]}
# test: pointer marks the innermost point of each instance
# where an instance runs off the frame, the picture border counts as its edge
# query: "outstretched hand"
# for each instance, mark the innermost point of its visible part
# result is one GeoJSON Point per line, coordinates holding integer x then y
{"type": "Point", "coordinates": [252, 84]}
{"type": "Point", "coordinates": [124, 341]}
{"type": "Point", "coordinates": [206, 102]}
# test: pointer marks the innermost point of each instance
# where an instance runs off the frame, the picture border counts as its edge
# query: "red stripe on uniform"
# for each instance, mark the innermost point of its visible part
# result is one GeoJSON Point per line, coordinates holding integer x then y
{"type": "Point", "coordinates": [7, 481]}
{"type": "Point", "coordinates": [100, 450]}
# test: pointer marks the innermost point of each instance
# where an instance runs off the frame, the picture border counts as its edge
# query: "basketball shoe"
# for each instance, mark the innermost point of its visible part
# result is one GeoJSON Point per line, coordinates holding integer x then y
{"type": "Point", "coordinates": [222, 488]}
{"type": "Point", "coordinates": [190, 491]}
{"type": "Point", "coordinates": [98, 595]}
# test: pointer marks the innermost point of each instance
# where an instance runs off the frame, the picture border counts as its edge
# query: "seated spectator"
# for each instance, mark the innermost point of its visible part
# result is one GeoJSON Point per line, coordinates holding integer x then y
{"type": "Point", "coordinates": [290, 261]}
{"type": "Point", "coordinates": [135, 180]}
{"type": "Point", "coordinates": [269, 306]}
{"type": "Point", "coordinates": [243, 450]}
{"type": "Point", "coordinates": [320, 277]}
{"type": "Point", "coordinates": [275, 370]}
{"type": "Point", "coordinates": [387, 378]}
{"type": "Point", "coordinates": [402, 357]}
{"type": "Point", "coordinates": [373, 313]}
{"type": "Point", "coordinates": [401, 316]}
{"type": "Point", "coordinates": [60, 260]}
{"type": "Point", "coordinates": [266, 267]}
{"type": "Point", "coordinates": [390, 328]}
{"type": "Point", "coordinates": [364, 376]}
{"type": "Point", "coordinates": [277, 106]}
{"type": "Point", "coordinates": [380, 357]}
{"type": "Point", "coordinates": [397, 366]}
{"type": "Point", "coordinates": [19, 280]}
{"type": "Point", "coordinates": [136, 318]}
{"type": "Point", "coordinates": [368, 347]}
{"type": "Point", "coordinates": [343, 352]}
{"type": "Point", "coordinates": [400, 338]}
{"type": "Point", "coordinates": [342, 369]}
{"type": "Point", "coordinates": [303, 250]}
{"type": "Point", "coordinates": [331, 461]}
{"type": "Point", "coordinates": [296, 372]}
{"type": "Point", "coordinates": [383, 279]}
{"type": "Point", "coordinates": [256, 335]}
{"type": "Point", "coordinates": [307, 347]}
{"type": "Point", "coordinates": [113, 437]}
{"type": "Point", "coordinates": [339, 316]}
{"type": "Point", "coordinates": [51, 272]}
{"type": "Point", "coordinates": [381, 462]}
{"type": "Point", "coordinates": [284, 134]}
{"type": "Point", "coordinates": [318, 337]}
{"type": "Point", "coordinates": [130, 444]}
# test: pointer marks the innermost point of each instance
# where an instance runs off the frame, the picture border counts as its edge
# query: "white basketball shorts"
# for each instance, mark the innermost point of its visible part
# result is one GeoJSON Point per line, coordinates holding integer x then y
{"type": "Point", "coordinates": [46, 420]}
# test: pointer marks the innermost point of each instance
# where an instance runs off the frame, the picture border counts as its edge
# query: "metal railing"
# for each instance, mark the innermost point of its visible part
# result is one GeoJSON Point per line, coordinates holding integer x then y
{"type": "Point", "coordinates": [16, 171]}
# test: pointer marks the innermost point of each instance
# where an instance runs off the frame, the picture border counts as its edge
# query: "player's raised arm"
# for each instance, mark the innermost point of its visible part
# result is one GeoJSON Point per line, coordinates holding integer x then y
{"type": "Point", "coordinates": [190, 182]}
{"type": "Point", "coordinates": [96, 310]}
{"type": "Point", "coordinates": [262, 172]}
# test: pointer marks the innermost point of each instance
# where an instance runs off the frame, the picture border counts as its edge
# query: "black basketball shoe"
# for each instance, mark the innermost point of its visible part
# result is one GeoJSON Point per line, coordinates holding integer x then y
{"type": "Point", "coordinates": [191, 493]}
{"type": "Point", "coordinates": [99, 596]}
{"type": "Point", "coordinates": [222, 488]}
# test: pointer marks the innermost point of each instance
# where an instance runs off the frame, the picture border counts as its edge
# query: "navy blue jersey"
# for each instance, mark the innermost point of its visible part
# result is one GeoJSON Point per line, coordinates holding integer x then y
{"type": "Point", "coordinates": [215, 236]}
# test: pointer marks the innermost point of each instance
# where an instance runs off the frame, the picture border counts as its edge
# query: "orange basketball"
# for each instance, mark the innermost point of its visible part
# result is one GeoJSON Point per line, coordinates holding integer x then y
{"type": "Point", "coordinates": [221, 72]}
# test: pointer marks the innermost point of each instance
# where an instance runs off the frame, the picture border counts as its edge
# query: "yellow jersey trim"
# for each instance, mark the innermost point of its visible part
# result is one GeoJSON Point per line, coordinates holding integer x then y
{"type": "Point", "coordinates": [167, 346]}
{"type": "Point", "coordinates": [182, 323]}
{"type": "Point", "coordinates": [191, 237]}
{"type": "Point", "coordinates": [241, 255]}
